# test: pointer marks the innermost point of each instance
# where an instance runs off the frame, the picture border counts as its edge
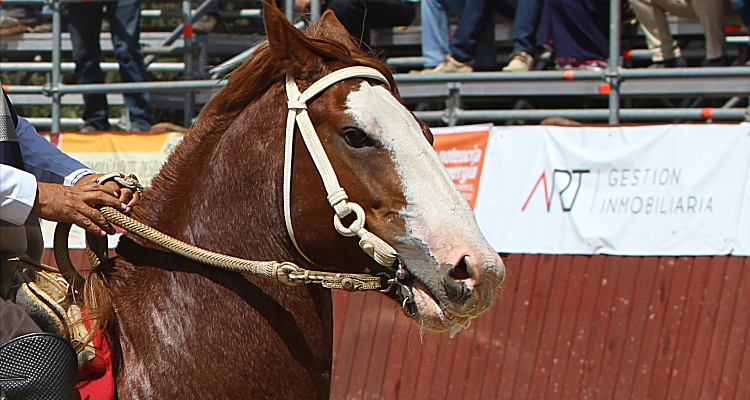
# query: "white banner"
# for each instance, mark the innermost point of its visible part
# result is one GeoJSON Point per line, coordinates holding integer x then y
{"type": "Point", "coordinates": [649, 190]}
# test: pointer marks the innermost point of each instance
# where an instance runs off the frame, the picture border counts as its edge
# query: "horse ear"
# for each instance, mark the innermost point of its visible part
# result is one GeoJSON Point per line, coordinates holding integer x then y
{"type": "Point", "coordinates": [330, 27]}
{"type": "Point", "coordinates": [290, 48]}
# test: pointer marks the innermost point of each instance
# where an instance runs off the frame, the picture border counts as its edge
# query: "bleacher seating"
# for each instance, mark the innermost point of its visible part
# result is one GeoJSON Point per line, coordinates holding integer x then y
{"type": "Point", "coordinates": [401, 49]}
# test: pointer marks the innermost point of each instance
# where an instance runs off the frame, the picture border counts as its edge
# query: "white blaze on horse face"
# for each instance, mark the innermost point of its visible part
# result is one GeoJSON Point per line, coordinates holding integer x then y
{"type": "Point", "coordinates": [437, 214]}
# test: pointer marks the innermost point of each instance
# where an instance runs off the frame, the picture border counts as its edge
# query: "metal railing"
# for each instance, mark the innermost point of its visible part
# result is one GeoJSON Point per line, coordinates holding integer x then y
{"type": "Point", "coordinates": [614, 82]}
{"type": "Point", "coordinates": [55, 89]}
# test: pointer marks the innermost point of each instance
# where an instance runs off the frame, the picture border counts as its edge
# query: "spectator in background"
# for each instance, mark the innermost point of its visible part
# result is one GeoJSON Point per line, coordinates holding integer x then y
{"type": "Point", "coordinates": [208, 21]}
{"type": "Point", "coordinates": [25, 18]}
{"type": "Point", "coordinates": [457, 54]}
{"type": "Point", "coordinates": [577, 31]}
{"type": "Point", "coordinates": [664, 49]}
{"type": "Point", "coordinates": [359, 16]}
{"type": "Point", "coordinates": [84, 23]}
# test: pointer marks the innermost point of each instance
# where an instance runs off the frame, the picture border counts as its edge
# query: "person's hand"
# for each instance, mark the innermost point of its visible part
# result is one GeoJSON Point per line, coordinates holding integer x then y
{"type": "Point", "coordinates": [125, 195]}
{"type": "Point", "coordinates": [74, 205]}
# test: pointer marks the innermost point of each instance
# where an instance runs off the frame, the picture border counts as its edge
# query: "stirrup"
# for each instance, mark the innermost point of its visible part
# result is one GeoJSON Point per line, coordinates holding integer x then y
{"type": "Point", "coordinates": [37, 366]}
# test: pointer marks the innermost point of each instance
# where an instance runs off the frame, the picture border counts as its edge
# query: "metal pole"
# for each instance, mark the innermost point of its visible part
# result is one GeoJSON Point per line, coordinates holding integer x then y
{"type": "Point", "coordinates": [613, 68]}
{"type": "Point", "coordinates": [187, 34]}
{"type": "Point", "coordinates": [289, 10]}
{"type": "Point", "coordinates": [314, 10]}
{"type": "Point", "coordinates": [175, 34]}
{"type": "Point", "coordinates": [56, 61]}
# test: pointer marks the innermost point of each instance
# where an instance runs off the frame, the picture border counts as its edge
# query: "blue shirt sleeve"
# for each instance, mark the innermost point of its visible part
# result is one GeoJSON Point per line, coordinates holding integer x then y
{"type": "Point", "coordinates": [44, 160]}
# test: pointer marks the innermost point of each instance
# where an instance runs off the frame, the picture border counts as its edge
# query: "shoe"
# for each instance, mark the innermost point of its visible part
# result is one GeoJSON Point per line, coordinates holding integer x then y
{"type": "Point", "coordinates": [205, 24]}
{"type": "Point", "coordinates": [12, 26]}
{"type": "Point", "coordinates": [520, 62]}
{"type": "Point", "coordinates": [594, 65]}
{"type": "Point", "coordinates": [669, 63]}
{"type": "Point", "coordinates": [449, 65]}
{"type": "Point", "coordinates": [721, 61]}
{"type": "Point", "coordinates": [9, 22]}
{"type": "Point", "coordinates": [586, 65]}
{"type": "Point", "coordinates": [88, 127]}
{"type": "Point", "coordinates": [139, 126]}
{"type": "Point", "coordinates": [43, 28]}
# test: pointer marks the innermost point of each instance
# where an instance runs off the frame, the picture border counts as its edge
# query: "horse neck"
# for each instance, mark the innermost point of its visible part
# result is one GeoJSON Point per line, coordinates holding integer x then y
{"type": "Point", "coordinates": [223, 191]}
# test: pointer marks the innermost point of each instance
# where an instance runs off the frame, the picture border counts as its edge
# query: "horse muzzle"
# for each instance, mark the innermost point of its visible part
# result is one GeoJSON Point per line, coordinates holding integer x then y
{"type": "Point", "coordinates": [459, 292]}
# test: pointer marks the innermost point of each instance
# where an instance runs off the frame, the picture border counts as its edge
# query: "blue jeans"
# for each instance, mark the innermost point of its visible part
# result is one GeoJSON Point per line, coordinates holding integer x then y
{"type": "Point", "coordinates": [84, 23]}
{"type": "Point", "coordinates": [474, 17]}
{"type": "Point", "coordinates": [359, 16]}
{"type": "Point", "coordinates": [743, 9]}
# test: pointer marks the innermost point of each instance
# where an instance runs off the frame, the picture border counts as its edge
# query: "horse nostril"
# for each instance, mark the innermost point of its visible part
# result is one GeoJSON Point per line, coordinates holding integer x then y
{"type": "Point", "coordinates": [461, 270]}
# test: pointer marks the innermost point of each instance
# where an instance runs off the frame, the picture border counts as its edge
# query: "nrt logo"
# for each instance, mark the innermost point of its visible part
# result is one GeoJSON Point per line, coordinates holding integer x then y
{"type": "Point", "coordinates": [560, 178]}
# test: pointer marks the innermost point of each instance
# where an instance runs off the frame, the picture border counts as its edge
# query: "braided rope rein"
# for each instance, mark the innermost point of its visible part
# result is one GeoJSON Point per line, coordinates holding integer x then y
{"type": "Point", "coordinates": [285, 272]}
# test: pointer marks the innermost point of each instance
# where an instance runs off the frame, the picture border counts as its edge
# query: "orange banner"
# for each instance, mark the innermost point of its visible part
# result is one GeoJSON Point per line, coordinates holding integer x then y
{"type": "Point", "coordinates": [462, 151]}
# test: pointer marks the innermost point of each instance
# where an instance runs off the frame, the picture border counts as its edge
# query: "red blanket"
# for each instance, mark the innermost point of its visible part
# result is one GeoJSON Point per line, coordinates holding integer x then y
{"type": "Point", "coordinates": [95, 380]}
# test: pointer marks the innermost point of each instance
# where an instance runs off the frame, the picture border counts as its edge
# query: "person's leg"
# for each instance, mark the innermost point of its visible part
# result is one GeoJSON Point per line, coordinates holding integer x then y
{"type": "Point", "coordinates": [711, 13]}
{"type": "Point", "coordinates": [579, 30]}
{"type": "Point", "coordinates": [469, 29]}
{"type": "Point", "coordinates": [208, 21]}
{"type": "Point", "coordinates": [485, 53]}
{"type": "Point", "coordinates": [435, 32]}
{"type": "Point", "coordinates": [84, 24]}
{"type": "Point", "coordinates": [124, 20]}
{"type": "Point", "coordinates": [388, 13]}
{"type": "Point", "coordinates": [14, 321]}
{"type": "Point", "coordinates": [213, 8]}
{"type": "Point", "coordinates": [652, 16]}
{"type": "Point", "coordinates": [742, 7]}
{"type": "Point", "coordinates": [525, 24]}
{"type": "Point", "coordinates": [351, 14]}
{"type": "Point", "coordinates": [526, 19]}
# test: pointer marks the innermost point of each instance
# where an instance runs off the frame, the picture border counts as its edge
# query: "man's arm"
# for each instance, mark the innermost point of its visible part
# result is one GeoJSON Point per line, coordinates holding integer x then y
{"type": "Point", "coordinates": [20, 194]}
{"type": "Point", "coordinates": [46, 161]}
{"type": "Point", "coordinates": [17, 194]}
{"type": "Point", "coordinates": [50, 165]}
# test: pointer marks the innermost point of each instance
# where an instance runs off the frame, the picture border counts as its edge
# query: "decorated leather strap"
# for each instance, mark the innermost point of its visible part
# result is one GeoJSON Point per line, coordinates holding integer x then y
{"type": "Point", "coordinates": [127, 181]}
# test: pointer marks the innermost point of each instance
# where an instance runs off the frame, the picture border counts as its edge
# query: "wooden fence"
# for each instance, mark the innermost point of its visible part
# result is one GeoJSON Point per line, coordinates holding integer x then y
{"type": "Point", "coordinates": [562, 327]}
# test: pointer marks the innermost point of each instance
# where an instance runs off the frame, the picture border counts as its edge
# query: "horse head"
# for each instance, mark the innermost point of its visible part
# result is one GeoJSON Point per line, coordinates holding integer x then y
{"type": "Point", "coordinates": [383, 159]}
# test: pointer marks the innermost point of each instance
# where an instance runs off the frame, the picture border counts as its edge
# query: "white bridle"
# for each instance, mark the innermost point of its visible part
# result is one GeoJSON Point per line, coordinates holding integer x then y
{"type": "Point", "coordinates": [376, 247]}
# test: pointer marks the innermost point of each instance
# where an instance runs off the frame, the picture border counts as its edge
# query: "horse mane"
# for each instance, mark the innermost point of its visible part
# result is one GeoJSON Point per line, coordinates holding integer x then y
{"type": "Point", "coordinates": [247, 84]}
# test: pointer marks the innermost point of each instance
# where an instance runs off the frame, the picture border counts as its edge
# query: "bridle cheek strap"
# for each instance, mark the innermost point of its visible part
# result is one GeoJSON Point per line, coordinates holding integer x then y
{"type": "Point", "coordinates": [376, 247]}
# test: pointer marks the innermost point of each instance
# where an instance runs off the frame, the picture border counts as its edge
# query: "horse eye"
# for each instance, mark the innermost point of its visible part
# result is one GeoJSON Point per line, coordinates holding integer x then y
{"type": "Point", "coordinates": [357, 138]}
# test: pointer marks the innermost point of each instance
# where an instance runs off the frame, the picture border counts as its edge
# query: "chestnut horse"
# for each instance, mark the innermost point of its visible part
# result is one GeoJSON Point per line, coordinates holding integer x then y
{"type": "Point", "coordinates": [181, 329]}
